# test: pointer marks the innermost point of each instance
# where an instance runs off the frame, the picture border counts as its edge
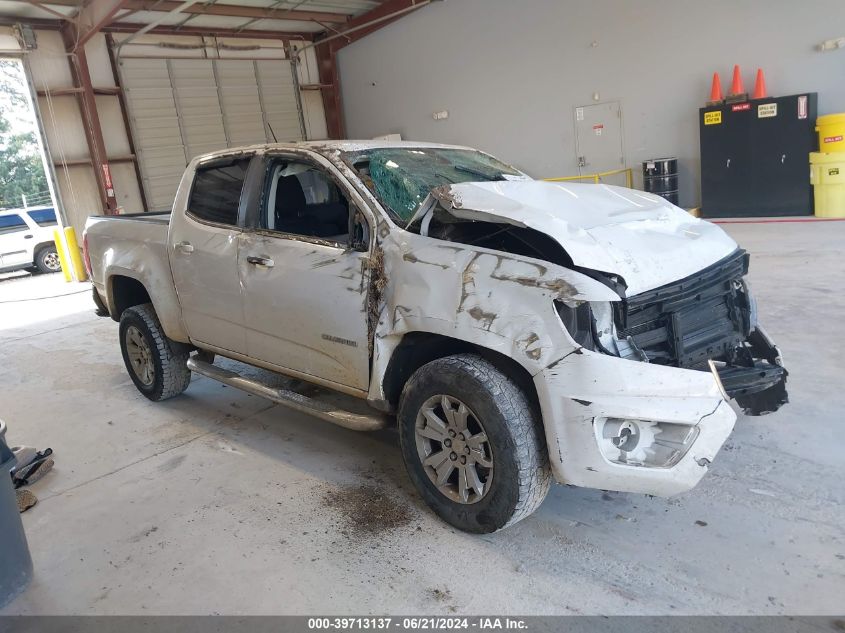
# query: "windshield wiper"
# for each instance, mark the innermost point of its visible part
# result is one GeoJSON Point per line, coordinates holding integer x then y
{"type": "Point", "coordinates": [475, 172]}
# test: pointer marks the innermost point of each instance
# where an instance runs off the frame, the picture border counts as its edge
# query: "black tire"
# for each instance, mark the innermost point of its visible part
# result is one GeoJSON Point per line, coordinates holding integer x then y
{"type": "Point", "coordinates": [47, 260]}
{"type": "Point", "coordinates": [170, 373]}
{"type": "Point", "coordinates": [520, 476]}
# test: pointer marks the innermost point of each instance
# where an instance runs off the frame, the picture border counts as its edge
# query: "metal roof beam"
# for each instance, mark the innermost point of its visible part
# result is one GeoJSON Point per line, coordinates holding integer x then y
{"type": "Point", "coordinates": [124, 27]}
{"type": "Point", "coordinates": [90, 20]}
{"type": "Point", "coordinates": [373, 20]}
{"type": "Point", "coordinates": [240, 11]}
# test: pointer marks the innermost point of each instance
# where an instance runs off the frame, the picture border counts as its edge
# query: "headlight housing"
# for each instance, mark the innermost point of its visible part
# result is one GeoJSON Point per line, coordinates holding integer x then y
{"type": "Point", "coordinates": [644, 443]}
{"type": "Point", "coordinates": [578, 321]}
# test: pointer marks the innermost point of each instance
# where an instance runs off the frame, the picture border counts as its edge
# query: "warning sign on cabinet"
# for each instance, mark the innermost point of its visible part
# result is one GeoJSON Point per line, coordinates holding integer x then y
{"type": "Point", "coordinates": [713, 118]}
{"type": "Point", "coordinates": [767, 110]}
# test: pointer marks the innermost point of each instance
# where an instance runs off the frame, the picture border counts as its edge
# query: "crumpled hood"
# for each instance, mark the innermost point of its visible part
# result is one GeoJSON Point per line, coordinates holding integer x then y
{"type": "Point", "coordinates": [640, 236]}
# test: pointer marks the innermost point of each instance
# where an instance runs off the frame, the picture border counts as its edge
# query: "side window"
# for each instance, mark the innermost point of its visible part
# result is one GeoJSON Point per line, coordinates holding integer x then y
{"type": "Point", "coordinates": [11, 224]}
{"type": "Point", "coordinates": [302, 199]}
{"type": "Point", "coordinates": [216, 193]}
{"type": "Point", "coordinates": [43, 217]}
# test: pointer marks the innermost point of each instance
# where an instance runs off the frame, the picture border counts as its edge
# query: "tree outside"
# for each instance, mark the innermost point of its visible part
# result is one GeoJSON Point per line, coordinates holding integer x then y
{"type": "Point", "coordinates": [21, 169]}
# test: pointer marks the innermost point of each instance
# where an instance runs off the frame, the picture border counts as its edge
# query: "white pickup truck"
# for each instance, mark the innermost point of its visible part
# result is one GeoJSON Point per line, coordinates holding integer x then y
{"type": "Point", "coordinates": [516, 331]}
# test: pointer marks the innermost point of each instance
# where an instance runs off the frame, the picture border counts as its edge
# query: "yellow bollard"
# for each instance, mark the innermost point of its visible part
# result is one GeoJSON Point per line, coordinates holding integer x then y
{"type": "Point", "coordinates": [75, 254]}
{"type": "Point", "coordinates": [60, 249]}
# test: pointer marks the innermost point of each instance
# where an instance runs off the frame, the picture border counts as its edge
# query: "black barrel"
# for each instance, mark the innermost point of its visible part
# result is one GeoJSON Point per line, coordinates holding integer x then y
{"type": "Point", "coordinates": [660, 176]}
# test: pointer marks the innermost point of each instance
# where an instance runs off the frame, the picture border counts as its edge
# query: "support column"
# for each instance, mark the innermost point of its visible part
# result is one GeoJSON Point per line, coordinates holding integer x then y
{"type": "Point", "coordinates": [330, 89]}
{"type": "Point", "coordinates": [91, 122]}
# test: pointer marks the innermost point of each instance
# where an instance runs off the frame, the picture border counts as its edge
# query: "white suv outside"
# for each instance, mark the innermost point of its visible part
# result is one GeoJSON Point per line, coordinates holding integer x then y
{"type": "Point", "coordinates": [26, 240]}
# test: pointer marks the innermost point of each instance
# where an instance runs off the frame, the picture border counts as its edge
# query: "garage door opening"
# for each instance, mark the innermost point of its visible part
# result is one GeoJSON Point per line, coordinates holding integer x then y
{"type": "Point", "coordinates": [23, 178]}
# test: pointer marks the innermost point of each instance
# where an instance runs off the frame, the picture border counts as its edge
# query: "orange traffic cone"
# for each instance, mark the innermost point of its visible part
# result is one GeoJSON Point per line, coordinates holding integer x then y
{"type": "Point", "coordinates": [716, 90]}
{"type": "Point", "coordinates": [760, 86]}
{"type": "Point", "coordinates": [737, 92]}
{"type": "Point", "coordinates": [736, 84]}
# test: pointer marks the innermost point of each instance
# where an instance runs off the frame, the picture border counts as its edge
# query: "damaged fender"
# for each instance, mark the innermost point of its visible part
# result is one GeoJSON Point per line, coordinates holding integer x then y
{"type": "Point", "coordinates": [496, 300]}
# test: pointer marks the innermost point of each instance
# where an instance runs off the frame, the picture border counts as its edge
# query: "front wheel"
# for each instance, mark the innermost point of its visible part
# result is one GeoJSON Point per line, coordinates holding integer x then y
{"type": "Point", "coordinates": [473, 444]}
{"type": "Point", "coordinates": [157, 365]}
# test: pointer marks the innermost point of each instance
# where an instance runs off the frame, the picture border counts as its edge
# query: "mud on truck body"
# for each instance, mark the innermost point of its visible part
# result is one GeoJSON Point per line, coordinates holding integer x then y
{"type": "Point", "coordinates": [516, 331]}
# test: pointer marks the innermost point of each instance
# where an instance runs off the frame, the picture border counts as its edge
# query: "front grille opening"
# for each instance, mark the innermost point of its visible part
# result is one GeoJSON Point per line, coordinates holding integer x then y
{"type": "Point", "coordinates": [683, 324]}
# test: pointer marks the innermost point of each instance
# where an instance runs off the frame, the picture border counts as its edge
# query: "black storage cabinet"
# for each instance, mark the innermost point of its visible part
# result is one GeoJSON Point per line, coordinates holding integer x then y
{"type": "Point", "coordinates": [755, 160]}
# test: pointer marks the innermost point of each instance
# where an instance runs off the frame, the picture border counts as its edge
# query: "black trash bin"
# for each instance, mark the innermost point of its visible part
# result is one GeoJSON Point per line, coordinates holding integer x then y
{"type": "Point", "coordinates": [15, 561]}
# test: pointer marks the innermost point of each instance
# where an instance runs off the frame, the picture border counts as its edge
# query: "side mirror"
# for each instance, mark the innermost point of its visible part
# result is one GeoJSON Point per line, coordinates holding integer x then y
{"type": "Point", "coordinates": [359, 233]}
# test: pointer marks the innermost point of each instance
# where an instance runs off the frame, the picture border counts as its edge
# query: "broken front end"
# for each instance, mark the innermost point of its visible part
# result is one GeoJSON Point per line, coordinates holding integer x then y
{"type": "Point", "coordinates": [706, 322]}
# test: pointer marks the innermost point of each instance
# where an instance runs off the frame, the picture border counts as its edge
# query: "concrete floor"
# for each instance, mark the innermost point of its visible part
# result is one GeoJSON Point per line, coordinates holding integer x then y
{"type": "Point", "coordinates": [220, 502]}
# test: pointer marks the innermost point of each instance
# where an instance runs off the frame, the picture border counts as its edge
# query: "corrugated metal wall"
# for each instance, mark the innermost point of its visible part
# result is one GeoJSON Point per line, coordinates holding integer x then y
{"type": "Point", "coordinates": [181, 107]}
{"type": "Point", "coordinates": [193, 95]}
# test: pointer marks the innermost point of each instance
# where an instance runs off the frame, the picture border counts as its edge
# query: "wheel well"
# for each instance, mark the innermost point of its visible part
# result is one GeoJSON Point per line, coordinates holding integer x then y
{"type": "Point", "coordinates": [41, 245]}
{"type": "Point", "coordinates": [125, 293]}
{"type": "Point", "coordinates": [419, 348]}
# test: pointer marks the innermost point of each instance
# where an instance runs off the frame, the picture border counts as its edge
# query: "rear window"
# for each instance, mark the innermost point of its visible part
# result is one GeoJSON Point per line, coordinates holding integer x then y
{"type": "Point", "coordinates": [216, 193]}
{"type": "Point", "coordinates": [11, 223]}
{"type": "Point", "coordinates": [43, 217]}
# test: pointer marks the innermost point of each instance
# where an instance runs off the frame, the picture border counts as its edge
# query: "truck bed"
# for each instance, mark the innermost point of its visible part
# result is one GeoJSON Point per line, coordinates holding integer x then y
{"type": "Point", "coordinates": [133, 245]}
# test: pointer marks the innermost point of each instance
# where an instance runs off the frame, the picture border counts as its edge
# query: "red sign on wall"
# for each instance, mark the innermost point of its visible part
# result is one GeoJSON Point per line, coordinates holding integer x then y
{"type": "Point", "coordinates": [739, 107]}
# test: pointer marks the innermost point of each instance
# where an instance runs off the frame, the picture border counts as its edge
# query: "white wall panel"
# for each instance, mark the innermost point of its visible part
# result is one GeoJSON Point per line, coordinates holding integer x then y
{"type": "Point", "coordinates": [99, 64]}
{"type": "Point", "coordinates": [111, 121]}
{"type": "Point", "coordinates": [78, 190]}
{"type": "Point", "coordinates": [49, 63]}
{"type": "Point", "coordinates": [8, 40]}
{"type": "Point", "coordinates": [126, 187]}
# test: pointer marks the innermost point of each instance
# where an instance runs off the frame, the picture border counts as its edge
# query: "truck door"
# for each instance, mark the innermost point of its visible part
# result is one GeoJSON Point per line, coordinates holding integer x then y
{"type": "Point", "coordinates": [305, 287]}
{"type": "Point", "coordinates": [203, 247]}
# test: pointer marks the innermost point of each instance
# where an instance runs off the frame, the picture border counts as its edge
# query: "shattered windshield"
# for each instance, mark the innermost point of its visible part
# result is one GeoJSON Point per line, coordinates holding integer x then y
{"type": "Point", "coordinates": [402, 177]}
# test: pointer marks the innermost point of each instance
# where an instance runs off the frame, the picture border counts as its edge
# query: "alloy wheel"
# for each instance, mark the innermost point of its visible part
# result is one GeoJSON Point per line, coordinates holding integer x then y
{"type": "Point", "coordinates": [454, 449]}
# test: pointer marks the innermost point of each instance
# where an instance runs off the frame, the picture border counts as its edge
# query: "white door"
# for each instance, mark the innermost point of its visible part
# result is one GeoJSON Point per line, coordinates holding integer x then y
{"type": "Point", "coordinates": [16, 239]}
{"type": "Point", "coordinates": [305, 289]}
{"type": "Point", "coordinates": [598, 138]}
{"type": "Point", "coordinates": [204, 256]}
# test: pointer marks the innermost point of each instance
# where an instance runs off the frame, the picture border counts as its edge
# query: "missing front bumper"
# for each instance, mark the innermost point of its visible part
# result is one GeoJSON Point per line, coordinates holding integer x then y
{"type": "Point", "coordinates": [761, 387]}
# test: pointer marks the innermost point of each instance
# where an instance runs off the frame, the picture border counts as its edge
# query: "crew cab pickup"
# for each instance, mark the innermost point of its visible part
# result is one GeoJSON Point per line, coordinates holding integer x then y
{"type": "Point", "coordinates": [515, 331]}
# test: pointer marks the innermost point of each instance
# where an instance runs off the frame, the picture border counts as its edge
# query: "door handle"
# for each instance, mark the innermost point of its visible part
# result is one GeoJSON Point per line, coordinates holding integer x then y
{"type": "Point", "coordinates": [185, 247]}
{"type": "Point", "coordinates": [28, 236]}
{"type": "Point", "coordinates": [260, 261]}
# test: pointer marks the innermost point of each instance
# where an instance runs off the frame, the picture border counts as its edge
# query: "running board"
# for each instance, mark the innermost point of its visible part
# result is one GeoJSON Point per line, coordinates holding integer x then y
{"type": "Point", "coordinates": [346, 419]}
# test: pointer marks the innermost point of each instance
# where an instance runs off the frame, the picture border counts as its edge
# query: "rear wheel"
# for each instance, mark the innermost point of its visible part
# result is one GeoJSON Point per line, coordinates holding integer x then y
{"type": "Point", "coordinates": [472, 444]}
{"type": "Point", "coordinates": [47, 259]}
{"type": "Point", "coordinates": [157, 365]}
